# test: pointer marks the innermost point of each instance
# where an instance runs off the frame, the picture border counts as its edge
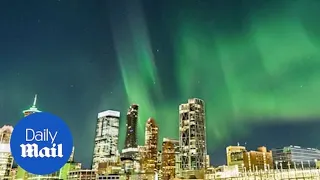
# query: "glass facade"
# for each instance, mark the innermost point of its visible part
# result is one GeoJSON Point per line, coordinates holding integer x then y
{"type": "Point", "coordinates": [295, 157]}
{"type": "Point", "coordinates": [106, 140]}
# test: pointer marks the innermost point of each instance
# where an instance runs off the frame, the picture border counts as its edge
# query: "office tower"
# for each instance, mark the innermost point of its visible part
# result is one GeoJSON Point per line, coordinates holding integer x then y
{"type": "Point", "coordinates": [106, 140]}
{"type": "Point", "coordinates": [159, 160]}
{"type": "Point", "coordinates": [235, 156]}
{"type": "Point", "coordinates": [168, 159]}
{"type": "Point", "coordinates": [295, 157]}
{"type": "Point", "coordinates": [192, 135]}
{"type": "Point", "coordinates": [6, 159]}
{"type": "Point", "coordinates": [258, 160]}
{"type": "Point", "coordinates": [32, 109]}
{"type": "Point", "coordinates": [142, 157]}
{"type": "Point", "coordinates": [131, 148]}
{"type": "Point", "coordinates": [151, 144]}
{"type": "Point", "coordinates": [132, 120]}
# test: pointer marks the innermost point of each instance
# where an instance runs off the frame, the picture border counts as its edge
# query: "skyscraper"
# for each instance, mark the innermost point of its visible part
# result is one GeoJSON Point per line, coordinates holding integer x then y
{"type": "Point", "coordinates": [168, 165]}
{"type": "Point", "coordinates": [32, 109]}
{"type": "Point", "coordinates": [6, 159]}
{"type": "Point", "coordinates": [106, 140]}
{"type": "Point", "coordinates": [130, 152]}
{"type": "Point", "coordinates": [132, 119]}
{"type": "Point", "coordinates": [192, 135]}
{"type": "Point", "coordinates": [151, 144]}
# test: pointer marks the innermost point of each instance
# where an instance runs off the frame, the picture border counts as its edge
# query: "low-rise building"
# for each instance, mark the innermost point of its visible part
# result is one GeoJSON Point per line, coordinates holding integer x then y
{"type": "Point", "coordinates": [82, 174]}
{"type": "Point", "coordinates": [109, 176]}
{"type": "Point", "coordinates": [258, 160]}
{"type": "Point", "coordinates": [295, 157]}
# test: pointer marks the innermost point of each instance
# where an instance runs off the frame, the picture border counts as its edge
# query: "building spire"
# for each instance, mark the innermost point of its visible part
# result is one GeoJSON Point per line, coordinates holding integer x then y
{"type": "Point", "coordinates": [34, 101]}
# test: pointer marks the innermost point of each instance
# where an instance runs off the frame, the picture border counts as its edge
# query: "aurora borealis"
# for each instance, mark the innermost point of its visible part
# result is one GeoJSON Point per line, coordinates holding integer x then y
{"type": "Point", "coordinates": [254, 63]}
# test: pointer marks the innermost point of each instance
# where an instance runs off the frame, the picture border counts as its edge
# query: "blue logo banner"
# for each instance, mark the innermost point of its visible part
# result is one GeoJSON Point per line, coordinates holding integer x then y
{"type": "Point", "coordinates": [41, 143]}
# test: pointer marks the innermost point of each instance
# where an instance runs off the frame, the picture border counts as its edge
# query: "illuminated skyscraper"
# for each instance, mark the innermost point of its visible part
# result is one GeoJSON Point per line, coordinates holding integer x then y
{"type": "Point", "coordinates": [32, 109]}
{"type": "Point", "coordinates": [106, 140]}
{"type": "Point", "coordinates": [151, 144]}
{"type": "Point", "coordinates": [6, 159]}
{"type": "Point", "coordinates": [132, 119]}
{"type": "Point", "coordinates": [168, 165]}
{"type": "Point", "coordinates": [192, 135]}
{"type": "Point", "coordinates": [130, 149]}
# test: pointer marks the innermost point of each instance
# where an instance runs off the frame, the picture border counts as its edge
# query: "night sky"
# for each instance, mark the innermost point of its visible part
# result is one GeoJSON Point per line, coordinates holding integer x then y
{"type": "Point", "coordinates": [255, 63]}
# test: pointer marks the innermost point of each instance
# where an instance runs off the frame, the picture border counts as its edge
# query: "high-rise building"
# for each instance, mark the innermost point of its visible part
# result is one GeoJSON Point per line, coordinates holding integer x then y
{"type": "Point", "coordinates": [235, 156]}
{"type": "Point", "coordinates": [151, 144]}
{"type": "Point", "coordinates": [142, 157]}
{"type": "Point", "coordinates": [21, 173]}
{"type": "Point", "coordinates": [168, 165]}
{"type": "Point", "coordinates": [130, 149]}
{"type": "Point", "coordinates": [132, 120]}
{"type": "Point", "coordinates": [192, 135]}
{"type": "Point", "coordinates": [32, 109]}
{"type": "Point", "coordinates": [258, 160]}
{"type": "Point", "coordinates": [6, 159]}
{"type": "Point", "coordinates": [106, 140]}
{"type": "Point", "coordinates": [295, 157]}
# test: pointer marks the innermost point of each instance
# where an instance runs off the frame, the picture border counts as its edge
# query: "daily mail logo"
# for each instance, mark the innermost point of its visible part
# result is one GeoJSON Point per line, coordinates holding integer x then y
{"type": "Point", "coordinates": [41, 143]}
{"type": "Point", "coordinates": [32, 150]}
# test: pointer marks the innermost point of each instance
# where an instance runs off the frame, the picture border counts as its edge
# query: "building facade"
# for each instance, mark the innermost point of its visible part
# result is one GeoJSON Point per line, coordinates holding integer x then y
{"type": "Point", "coordinates": [295, 157]}
{"type": "Point", "coordinates": [192, 135]}
{"type": "Point", "coordinates": [6, 159]}
{"type": "Point", "coordinates": [258, 160]}
{"type": "Point", "coordinates": [142, 157]}
{"type": "Point", "coordinates": [131, 133]}
{"type": "Point", "coordinates": [130, 150]}
{"type": "Point", "coordinates": [106, 140]}
{"type": "Point", "coordinates": [82, 174]}
{"type": "Point", "coordinates": [235, 156]}
{"type": "Point", "coordinates": [151, 144]}
{"type": "Point", "coordinates": [168, 165]}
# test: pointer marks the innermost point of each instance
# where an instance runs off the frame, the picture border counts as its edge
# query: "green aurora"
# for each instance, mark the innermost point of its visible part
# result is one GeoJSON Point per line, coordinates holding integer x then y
{"type": "Point", "coordinates": [270, 70]}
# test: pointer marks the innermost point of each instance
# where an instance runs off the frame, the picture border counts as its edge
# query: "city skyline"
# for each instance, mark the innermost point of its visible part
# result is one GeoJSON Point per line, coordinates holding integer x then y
{"type": "Point", "coordinates": [120, 147]}
{"type": "Point", "coordinates": [254, 63]}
